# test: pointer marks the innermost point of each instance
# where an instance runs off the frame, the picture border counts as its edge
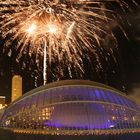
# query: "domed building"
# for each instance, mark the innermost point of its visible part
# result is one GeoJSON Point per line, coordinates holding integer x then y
{"type": "Point", "coordinates": [73, 107]}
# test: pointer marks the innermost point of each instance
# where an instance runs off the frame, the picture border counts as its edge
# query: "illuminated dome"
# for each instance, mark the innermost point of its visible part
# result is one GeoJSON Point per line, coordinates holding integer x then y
{"type": "Point", "coordinates": [73, 107]}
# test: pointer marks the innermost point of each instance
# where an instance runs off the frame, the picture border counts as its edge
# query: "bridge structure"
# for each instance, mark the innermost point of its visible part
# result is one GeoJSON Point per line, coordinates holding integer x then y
{"type": "Point", "coordinates": [72, 107]}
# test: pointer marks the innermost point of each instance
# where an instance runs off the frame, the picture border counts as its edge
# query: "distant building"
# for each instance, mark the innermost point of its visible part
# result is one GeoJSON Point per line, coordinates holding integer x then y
{"type": "Point", "coordinates": [16, 87]}
{"type": "Point", "coordinates": [2, 111]}
{"type": "Point", "coordinates": [2, 102]}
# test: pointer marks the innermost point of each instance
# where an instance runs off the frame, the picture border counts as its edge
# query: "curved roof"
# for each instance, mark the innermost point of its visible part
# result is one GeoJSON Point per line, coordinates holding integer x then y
{"type": "Point", "coordinates": [73, 82]}
{"type": "Point", "coordinates": [68, 83]}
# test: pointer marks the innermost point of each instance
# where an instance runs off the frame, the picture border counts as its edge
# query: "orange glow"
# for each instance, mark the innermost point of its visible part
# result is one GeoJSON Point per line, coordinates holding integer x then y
{"type": "Point", "coordinates": [32, 28]}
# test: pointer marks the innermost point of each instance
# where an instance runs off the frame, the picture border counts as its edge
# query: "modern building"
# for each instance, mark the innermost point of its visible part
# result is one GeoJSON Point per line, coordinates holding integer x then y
{"type": "Point", "coordinates": [16, 87]}
{"type": "Point", "coordinates": [73, 107]}
{"type": "Point", "coordinates": [2, 105]}
{"type": "Point", "coordinates": [2, 102]}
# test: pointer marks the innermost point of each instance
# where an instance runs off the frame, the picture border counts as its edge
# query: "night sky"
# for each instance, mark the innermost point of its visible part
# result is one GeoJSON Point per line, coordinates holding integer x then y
{"type": "Point", "coordinates": [124, 76]}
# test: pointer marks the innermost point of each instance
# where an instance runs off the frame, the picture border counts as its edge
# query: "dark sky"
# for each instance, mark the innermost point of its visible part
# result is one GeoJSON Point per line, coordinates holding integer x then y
{"type": "Point", "coordinates": [131, 51]}
{"type": "Point", "coordinates": [126, 76]}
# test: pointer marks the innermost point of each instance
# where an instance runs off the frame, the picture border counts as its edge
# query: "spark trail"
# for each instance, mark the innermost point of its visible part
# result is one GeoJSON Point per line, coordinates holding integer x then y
{"type": "Point", "coordinates": [62, 31]}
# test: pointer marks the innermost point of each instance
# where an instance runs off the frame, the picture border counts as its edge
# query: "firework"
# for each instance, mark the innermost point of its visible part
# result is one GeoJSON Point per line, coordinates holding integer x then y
{"type": "Point", "coordinates": [63, 31]}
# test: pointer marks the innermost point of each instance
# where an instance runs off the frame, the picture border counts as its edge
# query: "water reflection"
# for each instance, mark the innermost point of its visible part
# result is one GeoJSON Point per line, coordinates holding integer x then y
{"type": "Point", "coordinates": [7, 135]}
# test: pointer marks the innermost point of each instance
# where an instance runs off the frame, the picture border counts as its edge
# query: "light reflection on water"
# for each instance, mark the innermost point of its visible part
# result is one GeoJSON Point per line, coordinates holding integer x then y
{"type": "Point", "coordinates": [6, 135]}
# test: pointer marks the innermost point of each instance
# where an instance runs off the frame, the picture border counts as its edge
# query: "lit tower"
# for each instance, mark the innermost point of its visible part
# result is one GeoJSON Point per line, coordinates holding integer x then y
{"type": "Point", "coordinates": [16, 87]}
{"type": "Point", "coordinates": [2, 101]}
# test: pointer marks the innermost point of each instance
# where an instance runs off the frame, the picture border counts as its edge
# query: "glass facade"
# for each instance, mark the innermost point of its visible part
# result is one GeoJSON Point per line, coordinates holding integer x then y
{"type": "Point", "coordinates": [73, 109]}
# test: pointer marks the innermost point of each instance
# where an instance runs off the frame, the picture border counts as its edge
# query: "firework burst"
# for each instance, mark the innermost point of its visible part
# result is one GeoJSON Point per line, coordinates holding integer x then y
{"type": "Point", "coordinates": [63, 31]}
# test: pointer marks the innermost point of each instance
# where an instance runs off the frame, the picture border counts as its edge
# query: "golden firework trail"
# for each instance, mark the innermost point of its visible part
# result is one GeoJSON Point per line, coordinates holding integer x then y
{"type": "Point", "coordinates": [63, 31]}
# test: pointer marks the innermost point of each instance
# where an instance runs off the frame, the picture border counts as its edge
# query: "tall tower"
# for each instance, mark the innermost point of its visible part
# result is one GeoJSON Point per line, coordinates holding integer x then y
{"type": "Point", "coordinates": [2, 101]}
{"type": "Point", "coordinates": [16, 87]}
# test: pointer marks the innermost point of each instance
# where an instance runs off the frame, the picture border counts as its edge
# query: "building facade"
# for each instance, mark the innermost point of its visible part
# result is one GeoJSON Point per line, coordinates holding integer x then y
{"type": "Point", "coordinates": [2, 102]}
{"type": "Point", "coordinates": [16, 87]}
{"type": "Point", "coordinates": [73, 107]}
